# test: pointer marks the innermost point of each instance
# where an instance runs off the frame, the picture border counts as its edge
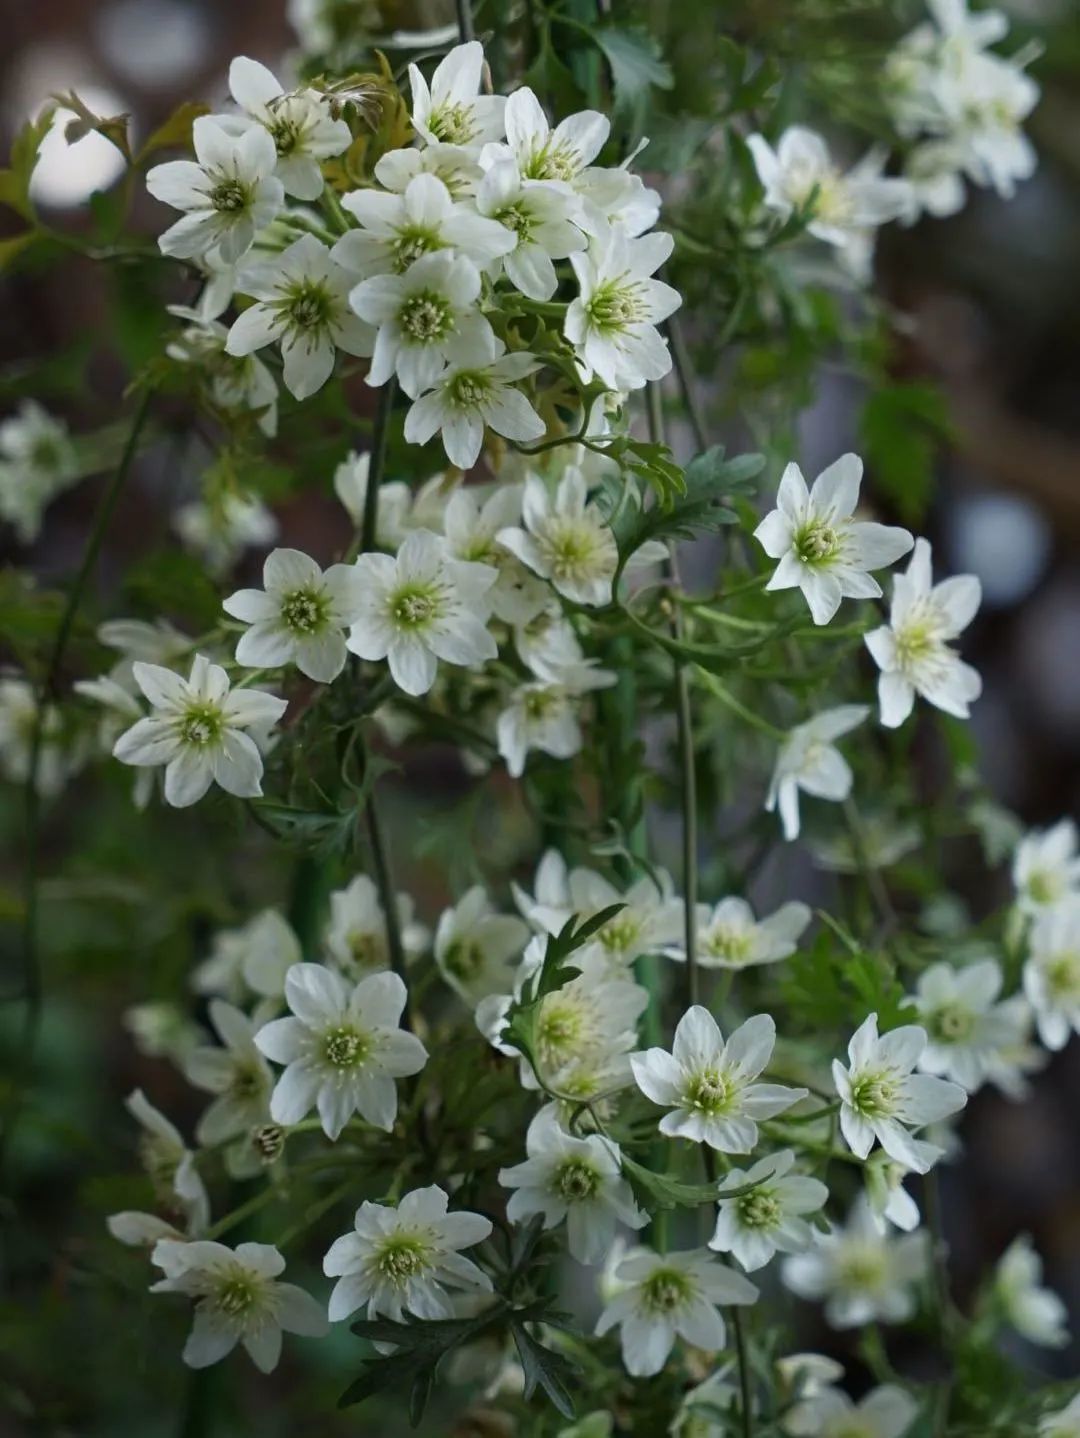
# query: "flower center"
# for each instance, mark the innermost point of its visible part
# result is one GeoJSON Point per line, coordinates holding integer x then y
{"type": "Point", "coordinates": [368, 949]}
{"type": "Point", "coordinates": [709, 1092]}
{"type": "Point", "coordinates": [1063, 977]}
{"type": "Point", "coordinates": [619, 934]}
{"type": "Point", "coordinates": [724, 942]}
{"type": "Point", "coordinates": [345, 1048]}
{"type": "Point", "coordinates": [569, 548]}
{"type": "Point", "coordinates": [308, 306]}
{"type": "Point", "coordinates": [951, 1024]}
{"type": "Point", "coordinates": [576, 1180]}
{"type": "Point", "coordinates": [862, 1268]}
{"type": "Point", "coordinates": [45, 454]}
{"type": "Point", "coordinates": [539, 702]}
{"type": "Point", "coordinates": [452, 124]}
{"type": "Point", "coordinates": [426, 318]}
{"type": "Point", "coordinates": [201, 725]}
{"type": "Point", "coordinates": [468, 389]}
{"type": "Point", "coordinates": [517, 218]}
{"type": "Point", "coordinates": [665, 1290]}
{"type": "Point", "coordinates": [303, 610]}
{"type": "Point", "coordinates": [236, 1295]}
{"type": "Point", "coordinates": [403, 1257]}
{"type": "Point", "coordinates": [560, 1029]}
{"type": "Point", "coordinates": [760, 1209]}
{"type": "Point", "coordinates": [287, 132]}
{"type": "Point", "coordinates": [464, 959]}
{"type": "Point", "coordinates": [551, 162]}
{"type": "Point", "coordinates": [1045, 886]}
{"type": "Point", "coordinates": [817, 542]}
{"type": "Point", "coordinates": [615, 305]}
{"type": "Point", "coordinates": [874, 1095]}
{"type": "Point", "coordinates": [247, 1081]}
{"type": "Point", "coordinates": [915, 640]}
{"type": "Point", "coordinates": [160, 1160]}
{"type": "Point", "coordinates": [414, 607]}
{"type": "Point", "coordinates": [229, 196]}
{"type": "Point", "coordinates": [411, 243]}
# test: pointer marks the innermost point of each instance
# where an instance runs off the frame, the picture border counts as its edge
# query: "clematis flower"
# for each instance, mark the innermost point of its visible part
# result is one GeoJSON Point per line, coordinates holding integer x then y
{"type": "Point", "coordinates": [235, 1072]}
{"type": "Point", "coordinates": [298, 617]}
{"type": "Point", "coordinates": [452, 110]}
{"type": "Point", "coordinates": [1052, 972]}
{"type": "Point", "coordinates": [539, 216]}
{"type": "Point", "coordinates": [228, 192]}
{"type": "Point", "coordinates": [1046, 866]}
{"type": "Point", "coordinates": [564, 538]}
{"type": "Point", "coordinates": [729, 937]}
{"type": "Point", "coordinates": [822, 549]}
{"type": "Point", "coordinates": [475, 947]}
{"type": "Point", "coordinates": [300, 124]}
{"type": "Point", "coordinates": [809, 761]}
{"type": "Point", "coordinates": [885, 1412]}
{"type": "Point", "coordinates": [912, 650]}
{"type": "Point", "coordinates": [1035, 1311]}
{"type": "Point", "coordinates": [540, 152]}
{"type": "Point", "coordinates": [860, 1275]}
{"type": "Point", "coordinates": [200, 731]}
{"type": "Point", "coordinates": [356, 941]}
{"type": "Point", "coordinates": [770, 1218]}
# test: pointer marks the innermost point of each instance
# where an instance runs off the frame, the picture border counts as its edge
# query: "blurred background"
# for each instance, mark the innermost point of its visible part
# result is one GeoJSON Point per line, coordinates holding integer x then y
{"type": "Point", "coordinates": [989, 306]}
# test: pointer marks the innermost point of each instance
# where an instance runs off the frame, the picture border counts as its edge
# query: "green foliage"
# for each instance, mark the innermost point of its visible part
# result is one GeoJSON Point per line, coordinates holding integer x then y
{"type": "Point", "coordinates": [636, 66]}
{"type": "Point", "coordinates": [901, 430]}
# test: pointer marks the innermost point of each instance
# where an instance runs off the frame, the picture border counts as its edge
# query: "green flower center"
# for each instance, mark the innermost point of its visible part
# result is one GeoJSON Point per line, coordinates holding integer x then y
{"type": "Point", "coordinates": [247, 1081]}
{"type": "Point", "coordinates": [1063, 977]}
{"type": "Point", "coordinates": [615, 304]}
{"type": "Point", "coordinates": [665, 1290]}
{"type": "Point", "coordinates": [411, 243]}
{"type": "Point", "coordinates": [914, 641]}
{"type": "Point", "coordinates": [619, 934]}
{"type": "Point", "coordinates": [951, 1024]}
{"type": "Point", "coordinates": [468, 389]}
{"type": "Point", "coordinates": [453, 124]}
{"type": "Point", "coordinates": [1045, 886]}
{"type": "Point", "coordinates": [518, 218]}
{"type": "Point", "coordinates": [560, 1028]}
{"type": "Point", "coordinates": [237, 1295]}
{"type": "Point", "coordinates": [345, 1048]}
{"type": "Point", "coordinates": [722, 942]}
{"type": "Point", "coordinates": [552, 162]}
{"type": "Point", "coordinates": [201, 725]}
{"type": "Point", "coordinates": [160, 1160]}
{"type": "Point", "coordinates": [368, 950]}
{"type": "Point", "coordinates": [576, 1180]}
{"type": "Point", "coordinates": [760, 1209]}
{"type": "Point", "coordinates": [539, 703]}
{"type": "Point", "coordinates": [403, 1257]}
{"type": "Point", "coordinates": [709, 1092]}
{"type": "Point", "coordinates": [874, 1096]}
{"type": "Point", "coordinates": [862, 1268]}
{"type": "Point", "coordinates": [464, 959]}
{"type": "Point", "coordinates": [414, 607]}
{"type": "Point", "coordinates": [817, 542]}
{"type": "Point", "coordinates": [309, 306]}
{"type": "Point", "coordinates": [45, 454]}
{"type": "Point", "coordinates": [286, 134]}
{"type": "Point", "coordinates": [229, 196]}
{"type": "Point", "coordinates": [568, 547]}
{"type": "Point", "coordinates": [304, 610]}
{"type": "Point", "coordinates": [426, 318]}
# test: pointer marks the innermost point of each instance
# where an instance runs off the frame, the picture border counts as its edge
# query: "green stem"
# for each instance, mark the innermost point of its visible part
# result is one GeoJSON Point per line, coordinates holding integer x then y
{"type": "Point", "coordinates": [245, 1210]}
{"type": "Point", "coordinates": [465, 21]}
{"type": "Point", "coordinates": [746, 1402]}
{"type": "Point", "coordinates": [684, 373]}
{"type": "Point", "coordinates": [737, 707]}
{"type": "Point", "coordinates": [370, 522]}
{"type": "Point", "coordinates": [32, 878]}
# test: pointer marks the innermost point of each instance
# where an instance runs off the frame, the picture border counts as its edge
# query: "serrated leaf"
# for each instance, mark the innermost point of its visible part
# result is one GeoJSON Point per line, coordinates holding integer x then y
{"type": "Point", "coordinates": [660, 1190]}
{"type": "Point", "coordinates": [636, 65]}
{"type": "Point", "coordinates": [544, 1368]}
{"type": "Point", "coordinates": [15, 180]}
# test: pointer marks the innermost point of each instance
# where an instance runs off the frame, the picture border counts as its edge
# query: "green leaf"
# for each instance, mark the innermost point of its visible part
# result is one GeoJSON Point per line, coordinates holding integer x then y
{"type": "Point", "coordinates": [174, 133]}
{"type": "Point", "coordinates": [15, 180]}
{"type": "Point", "coordinates": [901, 430]}
{"type": "Point", "coordinates": [421, 1345]}
{"type": "Point", "coordinates": [546, 1369]}
{"type": "Point", "coordinates": [709, 482]}
{"type": "Point", "coordinates": [13, 246]}
{"type": "Point", "coordinates": [113, 127]}
{"type": "Point", "coordinates": [636, 65]}
{"type": "Point", "coordinates": [323, 832]}
{"type": "Point", "coordinates": [660, 1190]}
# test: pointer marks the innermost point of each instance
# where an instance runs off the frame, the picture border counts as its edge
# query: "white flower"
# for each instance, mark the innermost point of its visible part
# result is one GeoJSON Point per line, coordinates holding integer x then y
{"type": "Point", "coordinates": [395, 499]}
{"type": "Point", "coordinates": [18, 720]}
{"type": "Point", "coordinates": [302, 303]}
{"type": "Point", "coordinates": [932, 171]}
{"type": "Point", "coordinates": [539, 216]}
{"type": "Point", "coordinates": [452, 109]}
{"type": "Point", "coordinates": [298, 617]}
{"type": "Point", "coordinates": [1016, 1054]}
{"type": "Point", "coordinates": [477, 390]}
{"type": "Point", "coordinates": [729, 937]}
{"type": "Point", "coordinates": [356, 941]}
{"type": "Point", "coordinates": [1065, 1423]}
{"type": "Point", "coordinates": [565, 539]}
{"type": "Point", "coordinates": [396, 229]}
{"type": "Point", "coordinates": [861, 1274]}
{"type": "Point", "coordinates": [236, 1073]}
{"type": "Point", "coordinates": [228, 192]}
{"type": "Point", "coordinates": [198, 730]}
{"type": "Point", "coordinates": [800, 172]}
{"type": "Point", "coordinates": [540, 152]}
{"type": "Point", "coordinates": [300, 124]}
{"type": "Point", "coordinates": [236, 382]}
{"type": "Point", "coordinates": [770, 1218]}
{"type": "Point", "coordinates": [418, 314]}
{"type": "Point", "coordinates": [1037, 1313]}
{"type": "Point", "coordinates": [551, 890]}
{"type": "Point", "coordinates": [649, 922]}
{"type": "Point", "coordinates": [402, 1260]}
{"type": "Point", "coordinates": [37, 461]}
{"type": "Point", "coordinates": [612, 323]}
{"type": "Point", "coordinates": [543, 714]}
{"type": "Point", "coordinates": [218, 532]}
{"type": "Point", "coordinates": [808, 760]}
{"type": "Point", "coordinates": [708, 1084]}
{"type": "Point", "coordinates": [420, 607]}
{"type": "Point", "coordinates": [887, 1198]}
{"type": "Point", "coordinates": [912, 650]}
{"type": "Point", "coordinates": [342, 1048]}
{"type": "Point", "coordinates": [475, 947]}
{"type": "Point", "coordinates": [984, 104]}
{"type": "Point", "coordinates": [455, 165]}
{"type": "Point", "coordinates": [170, 1164]}
{"type": "Point", "coordinates": [471, 528]}
{"type": "Point", "coordinates": [664, 1296]}
{"type": "Point", "coordinates": [1046, 866]}
{"type": "Point", "coordinates": [965, 1027]}
{"type": "Point", "coordinates": [885, 1412]}
{"type": "Point", "coordinates": [882, 1098]}
{"type": "Point", "coordinates": [576, 1179]}
{"type": "Point", "coordinates": [822, 549]}
{"type": "Point", "coordinates": [255, 956]}
{"type": "Point", "coordinates": [238, 1299]}
{"type": "Point", "coordinates": [1052, 972]}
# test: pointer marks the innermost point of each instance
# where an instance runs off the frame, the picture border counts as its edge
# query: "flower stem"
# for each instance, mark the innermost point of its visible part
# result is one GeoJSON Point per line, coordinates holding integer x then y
{"type": "Point", "coordinates": [32, 985]}
{"type": "Point", "coordinates": [465, 21]}
{"type": "Point", "coordinates": [379, 439]}
{"type": "Point", "coordinates": [745, 1399]}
